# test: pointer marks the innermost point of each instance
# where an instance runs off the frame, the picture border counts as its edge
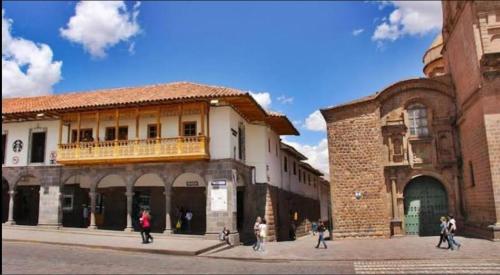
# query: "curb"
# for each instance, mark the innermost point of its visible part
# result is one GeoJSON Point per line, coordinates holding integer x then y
{"type": "Point", "coordinates": [128, 249]}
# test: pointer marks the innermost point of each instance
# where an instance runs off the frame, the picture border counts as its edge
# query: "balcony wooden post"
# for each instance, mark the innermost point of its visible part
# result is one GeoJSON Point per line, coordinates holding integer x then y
{"type": "Point", "coordinates": [79, 118]}
{"type": "Point", "coordinates": [158, 123]}
{"type": "Point", "coordinates": [60, 130]}
{"type": "Point", "coordinates": [208, 119]}
{"type": "Point", "coordinates": [203, 119]}
{"type": "Point", "coordinates": [117, 123]}
{"type": "Point", "coordinates": [98, 120]}
{"type": "Point", "coordinates": [137, 123]}
{"type": "Point", "coordinates": [180, 120]}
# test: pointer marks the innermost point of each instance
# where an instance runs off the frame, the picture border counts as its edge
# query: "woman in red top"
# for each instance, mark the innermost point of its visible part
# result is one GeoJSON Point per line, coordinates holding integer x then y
{"type": "Point", "coordinates": [145, 221]}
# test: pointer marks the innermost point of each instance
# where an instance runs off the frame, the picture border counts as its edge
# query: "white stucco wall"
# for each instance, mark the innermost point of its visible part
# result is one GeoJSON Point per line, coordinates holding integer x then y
{"type": "Point", "coordinates": [220, 132]}
{"type": "Point", "coordinates": [21, 131]}
{"type": "Point", "coordinates": [256, 150]}
{"type": "Point", "coordinates": [273, 158]}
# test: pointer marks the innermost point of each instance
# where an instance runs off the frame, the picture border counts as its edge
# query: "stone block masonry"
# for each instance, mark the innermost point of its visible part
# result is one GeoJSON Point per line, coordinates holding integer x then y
{"type": "Point", "coordinates": [355, 143]}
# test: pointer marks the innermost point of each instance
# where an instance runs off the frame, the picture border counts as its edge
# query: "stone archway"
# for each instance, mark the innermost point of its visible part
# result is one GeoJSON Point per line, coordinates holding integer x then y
{"type": "Point", "coordinates": [149, 193]}
{"type": "Point", "coordinates": [75, 202]}
{"type": "Point", "coordinates": [425, 201]}
{"type": "Point", "coordinates": [111, 203]}
{"type": "Point", "coordinates": [189, 192]}
{"type": "Point", "coordinates": [5, 200]}
{"type": "Point", "coordinates": [27, 200]}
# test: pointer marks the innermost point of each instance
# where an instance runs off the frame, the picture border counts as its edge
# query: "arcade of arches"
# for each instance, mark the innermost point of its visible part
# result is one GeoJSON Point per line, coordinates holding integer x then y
{"type": "Point", "coordinates": [113, 198]}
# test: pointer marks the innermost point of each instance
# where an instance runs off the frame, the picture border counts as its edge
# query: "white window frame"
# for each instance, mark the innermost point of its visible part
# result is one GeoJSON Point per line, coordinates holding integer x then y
{"type": "Point", "coordinates": [418, 120]}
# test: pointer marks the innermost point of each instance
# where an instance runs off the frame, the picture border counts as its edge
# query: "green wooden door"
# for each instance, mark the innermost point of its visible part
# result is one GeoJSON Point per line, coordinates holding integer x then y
{"type": "Point", "coordinates": [425, 202]}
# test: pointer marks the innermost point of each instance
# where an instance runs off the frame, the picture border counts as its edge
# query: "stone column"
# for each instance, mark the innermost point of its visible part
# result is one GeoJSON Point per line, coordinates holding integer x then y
{"type": "Point", "coordinates": [395, 214]}
{"type": "Point", "coordinates": [129, 195]}
{"type": "Point", "coordinates": [396, 223]}
{"type": "Point", "coordinates": [168, 224]}
{"type": "Point", "coordinates": [92, 195]}
{"type": "Point", "coordinates": [10, 219]}
{"type": "Point", "coordinates": [60, 210]}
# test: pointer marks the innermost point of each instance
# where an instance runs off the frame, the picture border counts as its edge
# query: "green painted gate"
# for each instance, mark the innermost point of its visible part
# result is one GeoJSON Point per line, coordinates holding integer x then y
{"type": "Point", "coordinates": [425, 201]}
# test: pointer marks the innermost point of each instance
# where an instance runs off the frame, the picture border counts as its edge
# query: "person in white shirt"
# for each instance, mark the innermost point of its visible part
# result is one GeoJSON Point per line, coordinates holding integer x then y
{"type": "Point", "coordinates": [452, 227]}
{"type": "Point", "coordinates": [256, 232]}
{"type": "Point", "coordinates": [262, 234]}
{"type": "Point", "coordinates": [189, 216]}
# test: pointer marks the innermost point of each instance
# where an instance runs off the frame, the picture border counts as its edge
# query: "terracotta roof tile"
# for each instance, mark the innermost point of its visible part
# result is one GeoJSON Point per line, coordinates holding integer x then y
{"type": "Point", "coordinates": [159, 93]}
{"type": "Point", "coordinates": [113, 97]}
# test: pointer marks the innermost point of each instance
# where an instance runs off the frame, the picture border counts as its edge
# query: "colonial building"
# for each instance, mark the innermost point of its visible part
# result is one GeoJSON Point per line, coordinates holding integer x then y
{"type": "Point", "coordinates": [426, 147]}
{"type": "Point", "coordinates": [95, 159]}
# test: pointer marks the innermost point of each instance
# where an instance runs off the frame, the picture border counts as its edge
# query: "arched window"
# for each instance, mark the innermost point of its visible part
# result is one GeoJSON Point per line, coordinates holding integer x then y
{"type": "Point", "coordinates": [417, 114]}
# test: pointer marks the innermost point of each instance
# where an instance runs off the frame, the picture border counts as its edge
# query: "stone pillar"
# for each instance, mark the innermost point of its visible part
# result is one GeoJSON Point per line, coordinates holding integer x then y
{"type": "Point", "coordinates": [168, 224]}
{"type": "Point", "coordinates": [60, 215]}
{"type": "Point", "coordinates": [396, 223]}
{"type": "Point", "coordinates": [129, 195]}
{"type": "Point", "coordinates": [10, 219]}
{"type": "Point", "coordinates": [395, 213]}
{"type": "Point", "coordinates": [92, 209]}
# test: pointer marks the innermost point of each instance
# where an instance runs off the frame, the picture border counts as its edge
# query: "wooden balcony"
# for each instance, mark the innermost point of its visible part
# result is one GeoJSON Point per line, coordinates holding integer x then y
{"type": "Point", "coordinates": [128, 151]}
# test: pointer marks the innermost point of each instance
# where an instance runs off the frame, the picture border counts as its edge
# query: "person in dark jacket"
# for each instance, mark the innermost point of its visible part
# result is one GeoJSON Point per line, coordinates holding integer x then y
{"type": "Point", "coordinates": [321, 234]}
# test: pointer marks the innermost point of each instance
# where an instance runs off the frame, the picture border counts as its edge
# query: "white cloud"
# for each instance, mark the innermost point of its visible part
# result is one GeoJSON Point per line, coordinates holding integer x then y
{"type": "Point", "coordinates": [285, 100]}
{"type": "Point", "coordinates": [317, 154]}
{"type": "Point", "coordinates": [264, 99]}
{"type": "Point", "coordinates": [27, 67]}
{"type": "Point", "coordinates": [357, 32]}
{"type": "Point", "coordinates": [315, 122]}
{"type": "Point", "coordinates": [99, 25]}
{"type": "Point", "coordinates": [409, 18]}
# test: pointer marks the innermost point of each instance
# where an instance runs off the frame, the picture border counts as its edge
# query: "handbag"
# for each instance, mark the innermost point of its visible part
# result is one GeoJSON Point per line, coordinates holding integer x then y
{"type": "Point", "coordinates": [178, 225]}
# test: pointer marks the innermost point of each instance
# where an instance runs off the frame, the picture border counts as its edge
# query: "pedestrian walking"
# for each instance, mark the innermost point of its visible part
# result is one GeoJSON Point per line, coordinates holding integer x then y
{"type": "Point", "coordinates": [443, 237]}
{"type": "Point", "coordinates": [224, 235]}
{"type": "Point", "coordinates": [256, 233]}
{"type": "Point", "coordinates": [262, 234]}
{"type": "Point", "coordinates": [145, 221]}
{"type": "Point", "coordinates": [452, 227]}
{"type": "Point", "coordinates": [314, 227]}
{"type": "Point", "coordinates": [189, 216]}
{"type": "Point", "coordinates": [321, 234]}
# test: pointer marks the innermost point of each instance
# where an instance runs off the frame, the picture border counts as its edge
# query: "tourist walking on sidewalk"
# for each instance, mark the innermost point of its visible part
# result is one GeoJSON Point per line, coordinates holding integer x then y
{"type": "Point", "coordinates": [443, 237]}
{"type": "Point", "coordinates": [189, 216]}
{"type": "Point", "coordinates": [256, 233]}
{"type": "Point", "coordinates": [262, 234]}
{"type": "Point", "coordinates": [321, 234]}
{"type": "Point", "coordinates": [145, 221]}
{"type": "Point", "coordinates": [452, 227]}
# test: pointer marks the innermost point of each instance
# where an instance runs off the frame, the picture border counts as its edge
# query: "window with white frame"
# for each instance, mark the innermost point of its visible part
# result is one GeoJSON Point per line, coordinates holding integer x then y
{"type": "Point", "coordinates": [417, 116]}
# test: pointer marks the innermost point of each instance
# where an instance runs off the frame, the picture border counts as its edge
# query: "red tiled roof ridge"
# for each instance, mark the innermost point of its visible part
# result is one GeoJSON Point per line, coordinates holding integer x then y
{"type": "Point", "coordinates": [104, 90]}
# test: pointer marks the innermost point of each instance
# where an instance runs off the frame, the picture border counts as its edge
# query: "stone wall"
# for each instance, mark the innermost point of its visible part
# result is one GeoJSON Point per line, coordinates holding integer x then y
{"type": "Point", "coordinates": [356, 165]}
{"type": "Point", "coordinates": [471, 54]}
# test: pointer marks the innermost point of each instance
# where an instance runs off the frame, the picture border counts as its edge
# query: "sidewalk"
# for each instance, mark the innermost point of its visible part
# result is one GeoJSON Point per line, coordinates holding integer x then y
{"type": "Point", "coordinates": [404, 248]}
{"type": "Point", "coordinates": [163, 244]}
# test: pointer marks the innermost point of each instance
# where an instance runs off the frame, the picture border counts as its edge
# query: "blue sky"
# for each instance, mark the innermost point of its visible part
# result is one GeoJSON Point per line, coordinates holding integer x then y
{"type": "Point", "coordinates": [304, 55]}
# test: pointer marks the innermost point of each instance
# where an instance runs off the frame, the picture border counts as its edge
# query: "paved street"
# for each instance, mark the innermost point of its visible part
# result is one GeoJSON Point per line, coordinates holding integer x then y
{"type": "Point", "coordinates": [24, 258]}
{"type": "Point", "coordinates": [405, 248]}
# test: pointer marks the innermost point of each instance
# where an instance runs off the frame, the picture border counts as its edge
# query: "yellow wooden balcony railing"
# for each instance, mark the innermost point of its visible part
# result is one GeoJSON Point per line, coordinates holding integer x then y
{"type": "Point", "coordinates": [141, 150]}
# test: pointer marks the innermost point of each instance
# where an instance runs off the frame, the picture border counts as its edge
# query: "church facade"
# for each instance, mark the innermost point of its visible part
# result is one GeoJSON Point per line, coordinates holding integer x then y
{"type": "Point", "coordinates": [426, 147]}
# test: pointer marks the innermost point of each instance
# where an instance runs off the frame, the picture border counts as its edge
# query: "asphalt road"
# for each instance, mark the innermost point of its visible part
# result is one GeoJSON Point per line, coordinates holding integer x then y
{"type": "Point", "coordinates": [24, 258]}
